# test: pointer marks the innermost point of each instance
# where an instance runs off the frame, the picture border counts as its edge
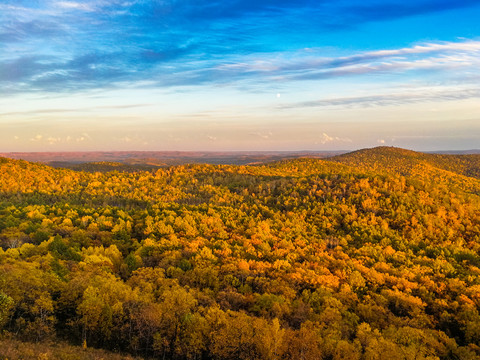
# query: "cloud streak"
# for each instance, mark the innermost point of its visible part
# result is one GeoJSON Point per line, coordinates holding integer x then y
{"type": "Point", "coordinates": [394, 99]}
{"type": "Point", "coordinates": [420, 57]}
{"type": "Point", "coordinates": [73, 110]}
{"type": "Point", "coordinates": [44, 73]}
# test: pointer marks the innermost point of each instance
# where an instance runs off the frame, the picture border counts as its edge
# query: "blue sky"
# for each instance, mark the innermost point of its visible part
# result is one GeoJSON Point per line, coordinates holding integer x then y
{"type": "Point", "coordinates": [239, 75]}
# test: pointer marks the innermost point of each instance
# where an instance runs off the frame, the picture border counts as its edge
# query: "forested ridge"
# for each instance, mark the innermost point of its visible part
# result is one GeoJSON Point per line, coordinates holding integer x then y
{"type": "Point", "coordinates": [368, 255]}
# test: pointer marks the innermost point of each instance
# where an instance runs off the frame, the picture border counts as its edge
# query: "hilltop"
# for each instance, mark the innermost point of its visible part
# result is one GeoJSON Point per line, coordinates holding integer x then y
{"type": "Point", "coordinates": [458, 171]}
{"type": "Point", "coordinates": [407, 162]}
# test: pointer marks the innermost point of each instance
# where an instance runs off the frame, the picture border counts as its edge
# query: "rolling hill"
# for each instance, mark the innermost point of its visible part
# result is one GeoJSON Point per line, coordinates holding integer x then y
{"type": "Point", "coordinates": [407, 162]}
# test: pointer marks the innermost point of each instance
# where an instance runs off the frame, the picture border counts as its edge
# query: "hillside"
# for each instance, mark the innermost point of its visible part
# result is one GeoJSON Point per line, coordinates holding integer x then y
{"type": "Point", "coordinates": [456, 171]}
{"type": "Point", "coordinates": [359, 257]}
{"type": "Point", "coordinates": [407, 162]}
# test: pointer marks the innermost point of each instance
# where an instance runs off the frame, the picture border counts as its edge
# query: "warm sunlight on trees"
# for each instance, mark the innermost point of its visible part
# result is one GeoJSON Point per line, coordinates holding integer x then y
{"type": "Point", "coordinates": [301, 259]}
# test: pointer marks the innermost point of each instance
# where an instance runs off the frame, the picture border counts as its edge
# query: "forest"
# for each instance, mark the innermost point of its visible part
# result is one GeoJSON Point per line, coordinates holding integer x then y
{"type": "Point", "coordinates": [369, 255]}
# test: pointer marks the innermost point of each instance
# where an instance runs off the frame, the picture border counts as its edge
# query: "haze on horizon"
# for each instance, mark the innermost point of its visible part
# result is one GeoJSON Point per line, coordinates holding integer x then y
{"type": "Point", "coordinates": [239, 75]}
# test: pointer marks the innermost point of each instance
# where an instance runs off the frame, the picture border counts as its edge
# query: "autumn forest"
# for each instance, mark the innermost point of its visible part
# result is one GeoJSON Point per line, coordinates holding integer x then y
{"type": "Point", "coordinates": [369, 255]}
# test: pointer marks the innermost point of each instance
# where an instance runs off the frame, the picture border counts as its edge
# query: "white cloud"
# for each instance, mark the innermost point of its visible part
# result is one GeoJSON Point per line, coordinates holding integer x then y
{"type": "Point", "coordinates": [135, 139]}
{"type": "Point", "coordinates": [414, 95]}
{"type": "Point", "coordinates": [264, 136]}
{"type": "Point", "coordinates": [325, 138]}
{"type": "Point", "coordinates": [470, 45]}
{"type": "Point", "coordinates": [52, 140]}
{"type": "Point", "coordinates": [74, 5]}
{"type": "Point", "coordinates": [290, 66]}
{"type": "Point", "coordinates": [37, 138]}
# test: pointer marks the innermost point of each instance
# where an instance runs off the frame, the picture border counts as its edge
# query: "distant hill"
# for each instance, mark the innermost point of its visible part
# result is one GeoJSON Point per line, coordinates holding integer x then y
{"type": "Point", "coordinates": [166, 158]}
{"type": "Point", "coordinates": [456, 152]}
{"type": "Point", "coordinates": [407, 162]}
{"type": "Point", "coordinates": [103, 166]}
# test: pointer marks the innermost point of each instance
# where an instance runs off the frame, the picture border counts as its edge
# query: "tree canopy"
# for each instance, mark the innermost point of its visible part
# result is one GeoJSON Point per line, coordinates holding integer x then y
{"type": "Point", "coordinates": [369, 255]}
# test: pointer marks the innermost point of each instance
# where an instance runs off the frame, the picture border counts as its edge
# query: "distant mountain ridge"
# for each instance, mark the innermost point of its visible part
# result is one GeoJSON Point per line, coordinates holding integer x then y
{"type": "Point", "coordinates": [456, 152]}
{"type": "Point", "coordinates": [165, 158]}
{"type": "Point", "coordinates": [382, 158]}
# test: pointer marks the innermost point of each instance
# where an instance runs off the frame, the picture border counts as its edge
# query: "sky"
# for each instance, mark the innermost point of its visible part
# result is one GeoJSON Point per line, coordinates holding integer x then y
{"type": "Point", "coordinates": [233, 75]}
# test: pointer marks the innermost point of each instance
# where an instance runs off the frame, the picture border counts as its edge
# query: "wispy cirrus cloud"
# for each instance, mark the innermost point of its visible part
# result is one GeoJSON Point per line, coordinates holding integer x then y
{"type": "Point", "coordinates": [66, 46]}
{"type": "Point", "coordinates": [21, 30]}
{"type": "Point", "coordinates": [84, 6]}
{"type": "Point", "coordinates": [97, 70]}
{"type": "Point", "coordinates": [307, 66]}
{"type": "Point", "coordinates": [437, 49]}
{"type": "Point", "coordinates": [160, 65]}
{"type": "Point", "coordinates": [412, 96]}
{"type": "Point", "coordinates": [38, 111]}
